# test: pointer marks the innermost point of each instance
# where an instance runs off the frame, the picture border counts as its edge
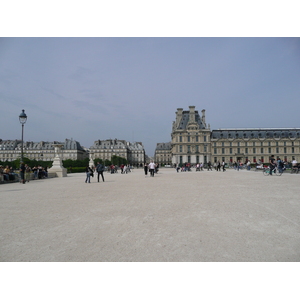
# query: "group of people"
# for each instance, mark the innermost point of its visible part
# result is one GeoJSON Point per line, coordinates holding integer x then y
{"type": "Point", "coordinates": [187, 167]}
{"type": "Point", "coordinates": [8, 174]}
{"type": "Point", "coordinates": [152, 168]}
{"type": "Point", "coordinates": [100, 168]}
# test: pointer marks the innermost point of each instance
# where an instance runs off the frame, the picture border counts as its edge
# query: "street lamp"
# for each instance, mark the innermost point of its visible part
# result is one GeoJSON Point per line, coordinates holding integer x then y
{"type": "Point", "coordinates": [23, 119]}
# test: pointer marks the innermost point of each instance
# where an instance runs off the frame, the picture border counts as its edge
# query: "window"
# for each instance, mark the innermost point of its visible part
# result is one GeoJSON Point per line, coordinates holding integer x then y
{"type": "Point", "coordinates": [180, 148]}
{"type": "Point", "coordinates": [204, 138]}
{"type": "Point", "coordinates": [261, 150]}
{"type": "Point", "coordinates": [246, 150]}
{"type": "Point", "coordinates": [223, 151]}
{"type": "Point", "coordinates": [188, 148]}
{"type": "Point", "coordinates": [215, 150]}
{"type": "Point", "coordinates": [189, 139]}
{"type": "Point", "coordinates": [180, 139]}
{"type": "Point", "coordinates": [230, 150]}
{"type": "Point", "coordinates": [205, 148]}
{"type": "Point", "coordinates": [197, 140]}
{"type": "Point", "coordinates": [254, 150]}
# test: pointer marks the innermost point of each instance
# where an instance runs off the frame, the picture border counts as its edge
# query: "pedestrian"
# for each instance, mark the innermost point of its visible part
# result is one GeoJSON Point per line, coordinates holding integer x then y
{"type": "Point", "coordinates": [223, 165]}
{"type": "Point", "coordinates": [88, 172]}
{"type": "Point", "coordinates": [146, 169]}
{"type": "Point", "coordinates": [22, 173]}
{"type": "Point", "coordinates": [272, 164]}
{"type": "Point", "coordinates": [27, 173]}
{"type": "Point", "coordinates": [219, 166]}
{"type": "Point", "coordinates": [151, 168]}
{"type": "Point", "coordinates": [280, 165]}
{"type": "Point", "coordinates": [209, 167]}
{"type": "Point", "coordinates": [100, 169]}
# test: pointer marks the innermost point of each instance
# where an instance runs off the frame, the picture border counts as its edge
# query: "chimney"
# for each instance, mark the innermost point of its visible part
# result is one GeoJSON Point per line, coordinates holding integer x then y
{"type": "Point", "coordinates": [203, 117]}
{"type": "Point", "coordinates": [178, 116]}
{"type": "Point", "coordinates": [192, 114]}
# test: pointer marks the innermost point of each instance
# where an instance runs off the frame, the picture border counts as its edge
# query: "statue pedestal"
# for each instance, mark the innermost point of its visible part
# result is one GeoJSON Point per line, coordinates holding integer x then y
{"type": "Point", "coordinates": [57, 169]}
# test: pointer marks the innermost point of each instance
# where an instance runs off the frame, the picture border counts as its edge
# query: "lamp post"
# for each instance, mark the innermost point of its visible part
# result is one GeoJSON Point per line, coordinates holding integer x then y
{"type": "Point", "coordinates": [23, 119]}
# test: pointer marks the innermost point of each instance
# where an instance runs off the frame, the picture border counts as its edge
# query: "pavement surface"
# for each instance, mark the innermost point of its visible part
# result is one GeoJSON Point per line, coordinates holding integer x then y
{"type": "Point", "coordinates": [193, 216]}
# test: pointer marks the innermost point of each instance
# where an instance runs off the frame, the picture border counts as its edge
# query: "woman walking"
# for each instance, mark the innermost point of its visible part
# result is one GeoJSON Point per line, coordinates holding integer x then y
{"type": "Point", "coordinates": [88, 172]}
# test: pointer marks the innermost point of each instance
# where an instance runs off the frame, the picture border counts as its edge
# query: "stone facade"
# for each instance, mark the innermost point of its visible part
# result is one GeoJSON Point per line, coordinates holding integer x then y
{"type": "Point", "coordinates": [190, 137]}
{"type": "Point", "coordinates": [193, 142]}
{"type": "Point", "coordinates": [163, 153]}
{"type": "Point", "coordinates": [255, 144]}
{"type": "Point", "coordinates": [42, 151]}
{"type": "Point", "coordinates": [105, 149]}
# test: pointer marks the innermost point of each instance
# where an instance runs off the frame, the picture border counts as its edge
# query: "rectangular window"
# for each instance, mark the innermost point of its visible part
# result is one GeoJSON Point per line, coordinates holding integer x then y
{"type": "Point", "coordinates": [215, 150]}
{"type": "Point", "coordinates": [189, 139]}
{"type": "Point", "coordinates": [261, 150]}
{"type": "Point", "coordinates": [197, 138]}
{"type": "Point", "coordinates": [204, 137]}
{"type": "Point", "coordinates": [238, 150]}
{"type": "Point", "coordinates": [293, 150]}
{"type": "Point", "coordinates": [223, 151]}
{"type": "Point", "coordinates": [180, 139]}
{"type": "Point", "coordinates": [246, 150]}
{"type": "Point", "coordinates": [270, 151]}
{"type": "Point", "coordinates": [254, 150]}
{"type": "Point", "coordinates": [284, 149]}
{"type": "Point", "coordinates": [189, 158]}
{"type": "Point", "coordinates": [197, 159]}
{"type": "Point", "coordinates": [205, 148]}
{"type": "Point", "coordinates": [180, 159]}
{"type": "Point", "coordinates": [277, 150]}
{"type": "Point", "coordinates": [180, 148]}
{"type": "Point", "coordinates": [230, 150]}
{"type": "Point", "coordinates": [188, 148]}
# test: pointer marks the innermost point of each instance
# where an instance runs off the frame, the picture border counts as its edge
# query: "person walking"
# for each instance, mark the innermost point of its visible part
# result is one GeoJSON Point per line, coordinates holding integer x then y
{"type": "Point", "coordinates": [223, 166]}
{"type": "Point", "coordinates": [272, 164]}
{"type": "Point", "coordinates": [22, 173]}
{"type": "Point", "coordinates": [152, 168]}
{"type": "Point", "coordinates": [100, 170]}
{"type": "Point", "coordinates": [146, 169]}
{"type": "Point", "coordinates": [88, 172]}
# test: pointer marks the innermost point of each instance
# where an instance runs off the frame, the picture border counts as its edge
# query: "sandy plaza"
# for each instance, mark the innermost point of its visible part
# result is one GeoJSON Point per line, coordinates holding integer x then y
{"type": "Point", "coordinates": [205, 216]}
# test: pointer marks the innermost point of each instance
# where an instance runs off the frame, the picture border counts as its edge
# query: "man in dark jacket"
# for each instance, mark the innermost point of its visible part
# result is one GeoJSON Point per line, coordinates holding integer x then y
{"type": "Point", "coordinates": [100, 168]}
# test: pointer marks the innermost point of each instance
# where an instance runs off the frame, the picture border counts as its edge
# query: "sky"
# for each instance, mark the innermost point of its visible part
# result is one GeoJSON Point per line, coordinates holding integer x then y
{"type": "Point", "coordinates": [129, 88]}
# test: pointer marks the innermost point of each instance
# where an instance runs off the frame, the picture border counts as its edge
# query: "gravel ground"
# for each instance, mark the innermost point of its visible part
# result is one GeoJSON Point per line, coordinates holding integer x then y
{"type": "Point", "coordinates": [193, 216]}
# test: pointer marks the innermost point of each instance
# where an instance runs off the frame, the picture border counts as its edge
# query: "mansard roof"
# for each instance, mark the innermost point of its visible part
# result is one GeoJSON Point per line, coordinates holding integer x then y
{"type": "Point", "coordinates": [256, 133]}
{"type": "Point", "coordinates": [183, 122]}
{"type": "Point", "coordinates": [163, 146]}
{"type": "Point", "coordinates": [16, 144]}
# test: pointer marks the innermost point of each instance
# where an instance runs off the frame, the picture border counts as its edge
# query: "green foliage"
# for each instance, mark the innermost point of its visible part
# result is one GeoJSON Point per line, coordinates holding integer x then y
{"type": "Point", "coordinates": [107, 162]}
{"type": "Point", "coordinates": [75, 163]}
{"type": "Point", "coordinates": [96, 160]}
{"type": "Point", "coordinates": [76, 170]}
{"type": "Point", "coordinates": [117, 160]}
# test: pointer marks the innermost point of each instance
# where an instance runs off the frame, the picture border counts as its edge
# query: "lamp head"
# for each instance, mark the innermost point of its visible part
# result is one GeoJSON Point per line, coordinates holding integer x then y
{"type": "Point", "coordinates": [22, 117]}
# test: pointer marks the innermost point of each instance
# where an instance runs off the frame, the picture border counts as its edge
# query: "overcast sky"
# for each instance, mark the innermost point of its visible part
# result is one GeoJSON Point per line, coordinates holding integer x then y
{"type": "Point", "coordinates": [130, 88]}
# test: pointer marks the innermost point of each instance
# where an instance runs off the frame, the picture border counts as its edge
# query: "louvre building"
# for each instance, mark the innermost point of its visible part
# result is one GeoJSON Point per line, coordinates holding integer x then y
{"type": "Point", "coordinates": [134, 153]}
{"type": "Point", "coordinates": [193, 142]}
